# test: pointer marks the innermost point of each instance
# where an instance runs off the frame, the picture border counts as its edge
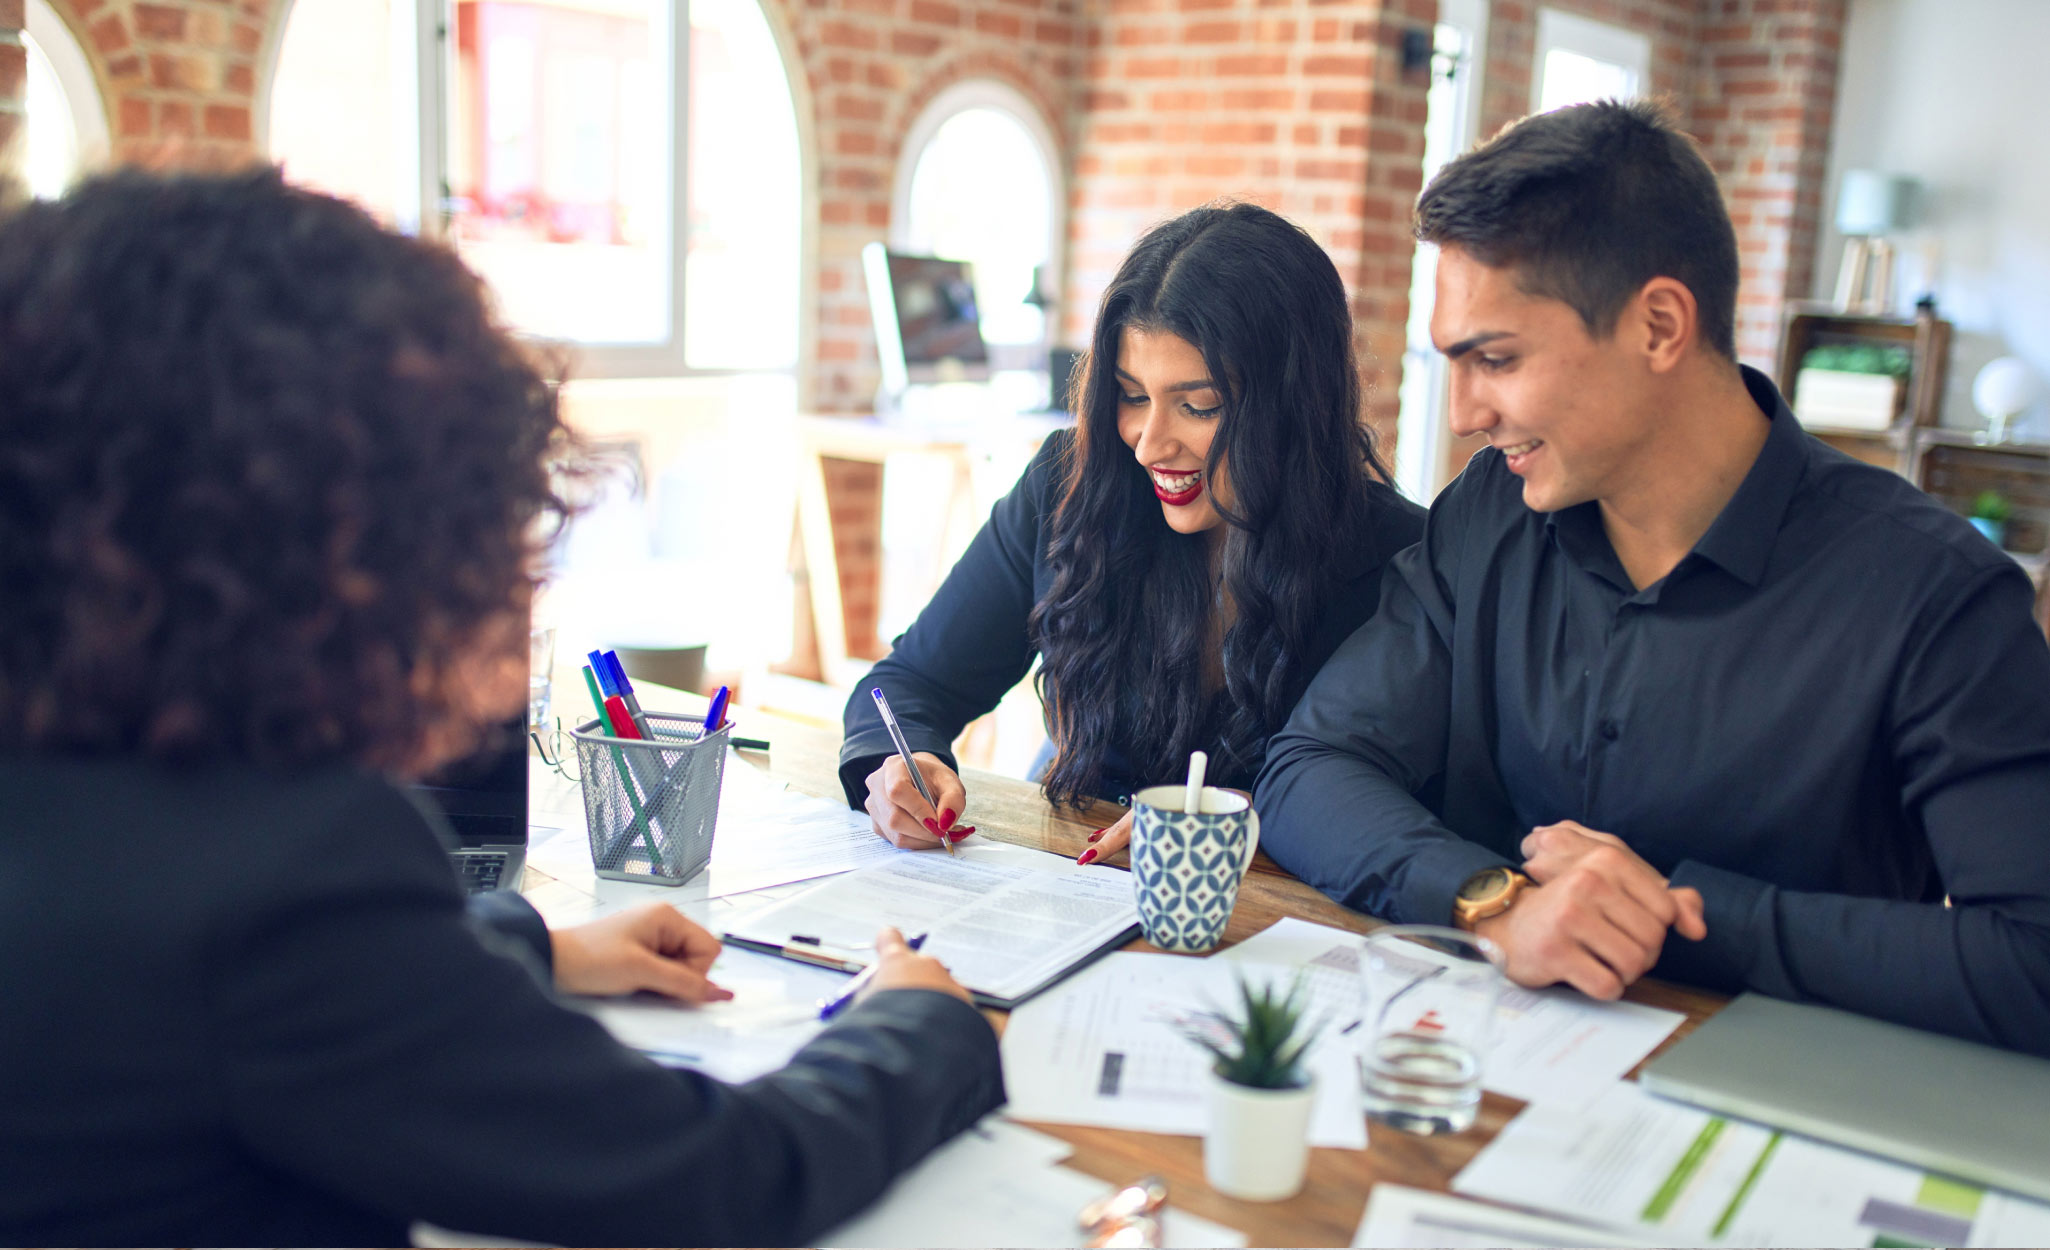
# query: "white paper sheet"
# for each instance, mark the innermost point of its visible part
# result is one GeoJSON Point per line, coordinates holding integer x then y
{"type": "Point", "coordinates": [1004, 920]}
{"type": "Point", "coordinates": [1397, 1215]}
{"type": "Point", "coordinates": [1556, 1045]}
{"type": "Point", "coordinates": [767, 835]}
{"type": "Point", "coordinates": [1106, 1048]}
{"type": "Point", "coordinates": [1680, 1176]}
{"type": "Point", "coordinates": [998, 1185]}
{"type": "Point", "coordinates": [773, 1013]}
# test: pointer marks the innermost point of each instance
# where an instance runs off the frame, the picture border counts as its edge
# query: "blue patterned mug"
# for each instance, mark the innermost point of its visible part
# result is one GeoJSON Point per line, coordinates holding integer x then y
{"type": "Point", "coordinates": [1186, 866]}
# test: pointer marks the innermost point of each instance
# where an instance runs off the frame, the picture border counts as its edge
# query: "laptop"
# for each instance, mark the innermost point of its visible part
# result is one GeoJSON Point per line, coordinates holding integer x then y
{"type": "Point", "coordinates": [1941, 1103]}
{"type": "Point", "coordinates": [484, 799]}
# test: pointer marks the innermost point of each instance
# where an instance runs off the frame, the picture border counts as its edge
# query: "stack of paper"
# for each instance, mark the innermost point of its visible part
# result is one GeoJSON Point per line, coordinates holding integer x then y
{"type": "Point", "coordinates": [1108, 1047]}
{"type": "Point", "coordinates": [1020, 1197]}
{"type": "Point", "coordinates": [1399, 1216]}
{"type": "Point", "coordinates": [772, 1014]}
{"type": "Point", "coordinates": [1672, 1174]}
{"type": "Point", "coordinates": [1551, 1046]}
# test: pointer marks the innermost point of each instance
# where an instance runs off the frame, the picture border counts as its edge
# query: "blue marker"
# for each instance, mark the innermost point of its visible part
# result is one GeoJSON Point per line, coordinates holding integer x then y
{"type": "Point", "coordinates": [625, 690]}
{"type": "Point", "coordinates": [715, 715]}
{"type": "Point", "coordinates": [845, 998]}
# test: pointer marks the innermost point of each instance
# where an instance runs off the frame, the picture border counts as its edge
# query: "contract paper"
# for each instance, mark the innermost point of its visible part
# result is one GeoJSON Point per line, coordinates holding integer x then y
{"type": "Point", "coordinates": [1400, 1216]}
{"type": "Point", "coordinates": [772, 1014]}
{"type": "Point", "coordinates": [1108, 1048]}
{"type": "Point", "coordinates": [1020, 1197]}
{"type": "Point", "coordinates": [1676, 1175]}
{"type": "Point", "coordinates": [768, 835]}
{"type": "Point", "coordinates": [1006, 921]}
{"type": "Point", "coordinates": [1553, 1045]}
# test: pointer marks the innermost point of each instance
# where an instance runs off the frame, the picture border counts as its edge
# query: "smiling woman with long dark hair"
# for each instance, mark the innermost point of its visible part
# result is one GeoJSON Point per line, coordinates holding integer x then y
{"type": "Point", "coordinates": [1182, 562]}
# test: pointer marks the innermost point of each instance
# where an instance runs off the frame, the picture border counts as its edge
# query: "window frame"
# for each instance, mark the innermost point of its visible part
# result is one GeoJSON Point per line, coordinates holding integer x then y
{"type": "Point", "coordinates": [992, 93]}
{"type": "Point", "coordinates": [422, 39]}
{"type": "Point", "coordinates": [61, 50]}
{"type": "Point", "coordinates": [1601, 41]}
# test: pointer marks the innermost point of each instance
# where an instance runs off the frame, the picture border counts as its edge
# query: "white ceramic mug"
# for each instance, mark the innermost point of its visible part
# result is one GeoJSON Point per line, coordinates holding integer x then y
{"type": "Point", "coordinates": [1186, 866]}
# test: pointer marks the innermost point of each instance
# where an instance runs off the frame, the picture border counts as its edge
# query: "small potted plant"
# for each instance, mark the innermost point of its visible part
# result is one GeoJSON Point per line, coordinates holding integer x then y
{"type": "Point", "coordinates": [1990, 511]}
{"type": "Point", "coordinates": [1258, 1145]}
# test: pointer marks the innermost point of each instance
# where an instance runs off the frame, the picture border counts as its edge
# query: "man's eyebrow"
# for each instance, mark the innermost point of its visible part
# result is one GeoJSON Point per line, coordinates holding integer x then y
{"type": "Point", "coordinates": [1201, 384]}
{"type": "Point", "coordinates": [1463, 346]}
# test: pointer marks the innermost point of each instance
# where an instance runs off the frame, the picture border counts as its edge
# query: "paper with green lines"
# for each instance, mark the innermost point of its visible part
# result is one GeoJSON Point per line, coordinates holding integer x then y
{"type": "Point", "coordinates": [1677, 1175]}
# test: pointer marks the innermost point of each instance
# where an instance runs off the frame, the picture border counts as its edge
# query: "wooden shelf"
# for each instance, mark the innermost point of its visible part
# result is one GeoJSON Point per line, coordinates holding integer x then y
{"type": "Point", "coordinates": [1809, 324]}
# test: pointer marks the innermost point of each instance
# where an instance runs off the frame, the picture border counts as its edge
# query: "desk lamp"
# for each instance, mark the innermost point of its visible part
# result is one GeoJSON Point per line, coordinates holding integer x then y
{"type": "Point", "coordinates": [2003, 391]}
{"type": "Point", "coordinates": [1869, 205]}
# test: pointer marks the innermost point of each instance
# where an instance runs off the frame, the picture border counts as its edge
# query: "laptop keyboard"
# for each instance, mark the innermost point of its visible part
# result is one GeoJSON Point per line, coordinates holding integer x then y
{"type": "Point", "coordinates": [479, 870]}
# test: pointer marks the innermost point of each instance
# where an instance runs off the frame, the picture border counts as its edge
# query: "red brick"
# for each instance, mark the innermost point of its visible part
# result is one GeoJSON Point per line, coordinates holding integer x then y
{"type": "Point", "coordinates": [12, 16]}
{"type": "Point", "coordinates": [936, 11]}
{"type": "Point", "coordinates": [1153, 67]}
{"type": "Point", "coordinates": [1177, 101]}
{"type": "Point", "coordinates": [13, 73]}
{"type": "Point", "coordinates": [857, 109]}
{"type": "Point", "coordinates": [109, 34]}
{"type": "Point", "coordinates": [1338, 66]}
{"type": "Point", "coordinates": [160, 23]}
{"type": "Point", "coordinates": [871, 8]}
{"type": "Point", "coordinates": [851, 142]}
{"type": "Point", "coordinates": [1211, 32]}
{"type": "Point", "coordinates": [227, 121]}
{"type": "Point", "coordinates": [175, 118]}
{"type": "Point", "coordinates": [1252, 64]}
{"type": "Point", "coordinates": [848, 35]}
{"type": "Point", "coordinates": [239, 80]}
{"type": "Point", "coordinates": [245, 38]}
{"type": "Point", "coordinates": [913, 43]}
{"type": "Point", "coordinates": [134, 117]}
{"type": "Point", "coordinates": [1334, 101]}
{"type": "Point", "coordinates": [1003, 25]}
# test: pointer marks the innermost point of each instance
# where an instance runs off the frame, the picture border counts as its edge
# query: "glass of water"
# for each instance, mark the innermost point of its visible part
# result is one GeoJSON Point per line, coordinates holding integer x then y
{"type": "Point", "coordinates": [1429, 999]}
{"type": "Point", "coordinates": [540, 675]}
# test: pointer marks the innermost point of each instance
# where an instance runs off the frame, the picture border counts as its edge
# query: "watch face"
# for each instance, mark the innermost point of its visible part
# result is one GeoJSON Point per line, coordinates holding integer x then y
{"type": "Point", "coordinates": [1484, 884]}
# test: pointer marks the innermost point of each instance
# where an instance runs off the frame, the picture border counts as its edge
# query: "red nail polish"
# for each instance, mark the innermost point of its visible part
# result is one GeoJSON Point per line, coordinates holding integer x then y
{"type": "Point", "coordinates": [1096, 835]}
{"type": "Point", "coordinates": [933, 825]}
{"type": "Point", "coordinates": [946, 818]}
{"type": "Point", "coordinates": [1087, 855]}
{"type": "Point", "coordinates": [962, 832]}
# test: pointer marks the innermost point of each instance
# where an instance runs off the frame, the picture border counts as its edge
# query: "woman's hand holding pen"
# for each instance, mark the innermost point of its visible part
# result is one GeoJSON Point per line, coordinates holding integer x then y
{"type": "Point", "coordinates": [649, 948]}
{"type": "Point", "coordinates": [898, 967]}
{"type": "Point", "coordinates": [900, 814]}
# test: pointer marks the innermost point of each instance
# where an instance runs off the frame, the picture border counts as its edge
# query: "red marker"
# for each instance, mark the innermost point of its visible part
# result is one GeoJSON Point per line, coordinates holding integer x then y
{"type": "Point", "coordinates": [621, 720]}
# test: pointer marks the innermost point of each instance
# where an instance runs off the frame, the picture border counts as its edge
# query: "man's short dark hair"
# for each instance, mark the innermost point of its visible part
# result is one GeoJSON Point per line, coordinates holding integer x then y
{"type": "Point", "coordinates": [1588, 204]}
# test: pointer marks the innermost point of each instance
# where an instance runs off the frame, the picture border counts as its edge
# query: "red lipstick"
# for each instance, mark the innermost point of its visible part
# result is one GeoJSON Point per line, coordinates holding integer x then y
{"type": "Point", "coordinates": [1183, 499]}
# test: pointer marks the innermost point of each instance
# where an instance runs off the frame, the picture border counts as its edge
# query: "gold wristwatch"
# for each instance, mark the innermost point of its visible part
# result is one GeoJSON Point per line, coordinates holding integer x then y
{"type": "Point", "coordinates": [1489, 892]}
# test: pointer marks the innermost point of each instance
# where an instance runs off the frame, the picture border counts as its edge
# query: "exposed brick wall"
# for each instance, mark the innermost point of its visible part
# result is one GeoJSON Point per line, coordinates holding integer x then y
{"type": "Point", "coordinates": [180, 75]}
{"type": "Point", "coordinates": [1300, 105]}
{"type": "Point", "coordinates": [13, 73]}
{"type": "Point", "coordinates": [1765, 99]}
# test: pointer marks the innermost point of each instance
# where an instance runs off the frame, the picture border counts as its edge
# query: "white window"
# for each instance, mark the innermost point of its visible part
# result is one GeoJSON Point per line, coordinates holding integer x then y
{"type": "Point", "coordinates": [1453, 120]}
{"type": "Point", "coordinates": [624, 181]}
{"type": "Point", "coordinates": [979, 182]}
{"type": "Point", "coordinates": [1579, 59]}
{"type": "Point", "coordinates": [67, 127]}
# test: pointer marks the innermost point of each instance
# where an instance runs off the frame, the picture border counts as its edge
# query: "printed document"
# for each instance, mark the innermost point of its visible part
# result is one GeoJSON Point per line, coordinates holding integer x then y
{"type": "Point", "coordinates": [1005, 920]}
{"type": "Point", "coordinates": [1400, 1216]}
{"type": "Point", "coordinates": [1109, 1048]}
{"type": "Point", "coordinates": [1676, 1175]}
{"type": "Point", "coordinates": [767, 835]}
{"type": "Point", "coordinates": [774, 1011]}
{"type": "Point", "coordinates": [1553, 1045]}
{"type": "Point", "coordinates": [1021, 1197]}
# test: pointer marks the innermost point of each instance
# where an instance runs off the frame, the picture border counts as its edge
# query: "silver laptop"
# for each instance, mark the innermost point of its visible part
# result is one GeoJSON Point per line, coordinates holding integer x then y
{"type": "Point", "coordinates": [1936, 1102]}
{"type": "Point", "coordinates": [484, 799]}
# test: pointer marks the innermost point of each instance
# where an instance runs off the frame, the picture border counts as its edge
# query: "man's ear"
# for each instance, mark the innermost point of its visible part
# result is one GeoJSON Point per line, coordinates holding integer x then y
{"type": "Point", "coordinates": [1667, 321]}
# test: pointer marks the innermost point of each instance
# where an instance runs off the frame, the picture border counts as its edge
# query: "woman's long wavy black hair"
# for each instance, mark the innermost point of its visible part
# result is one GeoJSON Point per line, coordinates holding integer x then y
{"type": "Point", "coordinates": [1123, 626]}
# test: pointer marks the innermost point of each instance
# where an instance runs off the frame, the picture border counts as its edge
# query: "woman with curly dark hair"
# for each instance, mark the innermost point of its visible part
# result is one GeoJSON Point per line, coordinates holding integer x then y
{"type": "Point", "coordinates": [269, 484]}
{"type": "Point", "coordinates": [1181, 563]}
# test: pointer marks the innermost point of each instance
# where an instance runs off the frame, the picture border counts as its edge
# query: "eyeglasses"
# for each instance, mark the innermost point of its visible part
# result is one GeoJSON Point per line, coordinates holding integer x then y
{"type": "Point", "coordinates": [555, 752]}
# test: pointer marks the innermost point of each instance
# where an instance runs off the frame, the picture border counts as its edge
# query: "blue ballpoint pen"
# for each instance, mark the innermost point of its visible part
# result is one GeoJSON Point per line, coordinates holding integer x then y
{"type": "Point", "coordinates": [845, 998]}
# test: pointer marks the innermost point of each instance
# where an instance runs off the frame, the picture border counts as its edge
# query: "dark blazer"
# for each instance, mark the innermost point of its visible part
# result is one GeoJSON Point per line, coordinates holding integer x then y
{"type": "Point", "coordinates": [247, 1009]}
{"type": "Point", "coordinates": [969, 645]}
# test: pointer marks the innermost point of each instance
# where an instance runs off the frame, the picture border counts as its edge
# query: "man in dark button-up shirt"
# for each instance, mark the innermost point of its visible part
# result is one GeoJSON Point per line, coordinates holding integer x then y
{"type": "Point", "coordinates": [1740, 706]}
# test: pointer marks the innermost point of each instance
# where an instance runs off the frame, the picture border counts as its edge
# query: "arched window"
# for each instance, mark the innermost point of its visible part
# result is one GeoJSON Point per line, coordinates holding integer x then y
{"type": "Point", "coordinates": [980, 181]}
{"type": "Point", "coordinates": [623, 180]}
{"type": "Point", "coordinates": [67, 127]}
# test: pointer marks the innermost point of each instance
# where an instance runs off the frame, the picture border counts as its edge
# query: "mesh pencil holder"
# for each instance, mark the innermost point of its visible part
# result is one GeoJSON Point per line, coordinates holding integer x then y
{"type": "Point", "coordinates": [651, 804]}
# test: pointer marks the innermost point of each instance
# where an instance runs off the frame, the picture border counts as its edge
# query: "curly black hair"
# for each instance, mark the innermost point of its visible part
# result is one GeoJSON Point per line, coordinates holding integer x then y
{"type": "Point", "coordinates": [266, 471]}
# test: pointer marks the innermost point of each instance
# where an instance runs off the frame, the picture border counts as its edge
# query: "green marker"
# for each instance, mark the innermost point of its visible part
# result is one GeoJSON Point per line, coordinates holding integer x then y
{"type": "Point", "coordinates": [625, 778]}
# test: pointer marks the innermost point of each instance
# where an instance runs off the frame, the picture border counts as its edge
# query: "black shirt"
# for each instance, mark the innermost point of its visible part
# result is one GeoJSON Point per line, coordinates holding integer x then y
{"type": "Point", "coordinates": [970, 645]}
{"type": "Point", "coordinates": [245, 1007]}
{"type": "Point", "coordinates": [1834, 712]}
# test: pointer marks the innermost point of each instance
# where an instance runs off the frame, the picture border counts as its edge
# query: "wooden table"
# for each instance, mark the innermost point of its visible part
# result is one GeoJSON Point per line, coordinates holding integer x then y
{"type": "Point", "coordinates": [1327, 1211]}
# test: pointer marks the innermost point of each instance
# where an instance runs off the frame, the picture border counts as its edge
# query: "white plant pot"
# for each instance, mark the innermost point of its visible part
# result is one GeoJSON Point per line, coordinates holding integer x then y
{"type": "Point", "coordinates": [1258, 1146]}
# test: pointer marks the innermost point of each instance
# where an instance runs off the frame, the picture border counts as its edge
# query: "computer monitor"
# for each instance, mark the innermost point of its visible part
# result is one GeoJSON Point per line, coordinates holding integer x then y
{"type": "Point", "coordinates": [927, 326]}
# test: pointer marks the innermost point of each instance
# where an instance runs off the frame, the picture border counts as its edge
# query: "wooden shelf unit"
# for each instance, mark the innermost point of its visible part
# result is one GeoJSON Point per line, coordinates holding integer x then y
{"type": "Point", "coordinates": [1810, 324]}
